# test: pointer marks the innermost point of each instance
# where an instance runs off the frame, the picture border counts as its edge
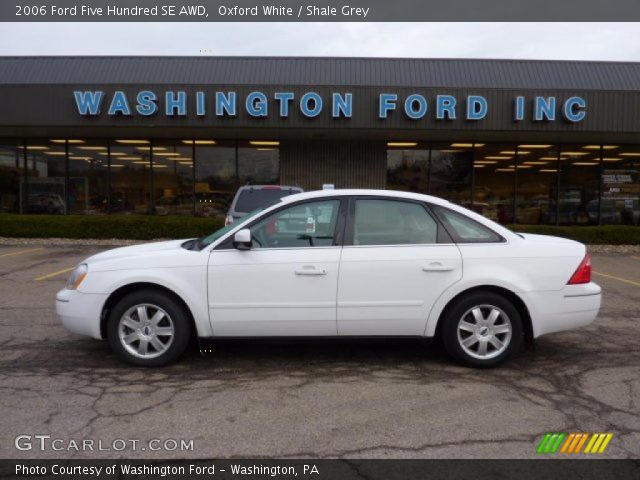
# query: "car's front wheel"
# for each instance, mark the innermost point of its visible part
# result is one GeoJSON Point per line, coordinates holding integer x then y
{"type": "Point", "coordinates": [482, 329]}
{"type": "Point", "coordinates": [148, 328]}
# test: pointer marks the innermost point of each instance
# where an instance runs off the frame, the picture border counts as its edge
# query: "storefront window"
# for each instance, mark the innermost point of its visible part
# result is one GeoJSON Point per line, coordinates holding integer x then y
{"type": "Point", "coordinates": [216, 180]}
{"type": "Point", "coordinates": [408, 168]}
{"type": "Point", "coordinates": [88, 171]}
{"type": "Point", "coordinates": [451, 171]}
{"type": "Point", "coordinates": [579, 184]}
{"type": "Point", "coordinates": [45, 185]}
{"type": "Point", "coordinates": [620, 185]}
{"type": "Point", "coordinates": [259, 162]}
{"type": "Point", "coordinates": [494, 169]}
{"type": "Point", "coordinates": [11, 176]}
{"type": "Point", "coordinates": [130, 176]}
{"type": "Point", "coordinates": [173, 178]}
{"type": "Point", "coordinates": [537, 181]}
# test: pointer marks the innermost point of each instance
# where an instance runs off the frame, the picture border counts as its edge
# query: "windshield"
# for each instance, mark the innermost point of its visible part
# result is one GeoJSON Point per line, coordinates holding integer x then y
{"type": "Point", "coordinates": [208, 240]}
{"type": "Point", "coordinates": [252, 198]}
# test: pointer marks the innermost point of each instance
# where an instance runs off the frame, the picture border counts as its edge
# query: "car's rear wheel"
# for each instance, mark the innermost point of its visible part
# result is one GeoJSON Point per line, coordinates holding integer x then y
{"type": "Point", "coordinates": [148, 328]}
{"type": "Point", "coordinates": [482, 329]}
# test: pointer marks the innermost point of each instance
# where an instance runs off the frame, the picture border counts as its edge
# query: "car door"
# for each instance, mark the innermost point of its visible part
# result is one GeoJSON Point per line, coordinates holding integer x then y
{"type": "Point", "coordinates": [396, 261]}
{"type": "Point", "coordinates": [285, 285]}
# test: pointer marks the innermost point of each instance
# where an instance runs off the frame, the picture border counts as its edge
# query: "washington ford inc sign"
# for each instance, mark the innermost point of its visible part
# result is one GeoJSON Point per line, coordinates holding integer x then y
{"type": "Point", "coordinates": [311, 104]}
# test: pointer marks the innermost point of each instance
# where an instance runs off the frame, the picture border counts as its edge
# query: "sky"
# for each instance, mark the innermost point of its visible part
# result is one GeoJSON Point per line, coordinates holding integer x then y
{"type": "Point", "coordinates": [561, 41]}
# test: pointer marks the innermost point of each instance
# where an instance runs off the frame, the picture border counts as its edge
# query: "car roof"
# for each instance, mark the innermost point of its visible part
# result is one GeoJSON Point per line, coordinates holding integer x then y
{"type": "Point", "coordinates": [364, 192]}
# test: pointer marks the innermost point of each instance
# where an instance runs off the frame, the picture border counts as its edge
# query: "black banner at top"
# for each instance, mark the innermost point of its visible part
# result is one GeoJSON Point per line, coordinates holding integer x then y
{"type": "Point", "coordinates": [319, 11]}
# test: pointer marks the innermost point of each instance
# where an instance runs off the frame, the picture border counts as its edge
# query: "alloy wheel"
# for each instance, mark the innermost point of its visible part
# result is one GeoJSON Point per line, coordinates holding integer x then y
{"type": "Point", "coordinates": [146, 331]}
{"type": "Point", "coordinates": [484, 332]}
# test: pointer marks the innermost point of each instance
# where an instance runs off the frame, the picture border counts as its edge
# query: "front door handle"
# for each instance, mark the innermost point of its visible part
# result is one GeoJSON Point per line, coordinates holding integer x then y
{"type": "Point", "coordinates": [310, 270]}
{"type": "Point", "coordinates": [437, 267]}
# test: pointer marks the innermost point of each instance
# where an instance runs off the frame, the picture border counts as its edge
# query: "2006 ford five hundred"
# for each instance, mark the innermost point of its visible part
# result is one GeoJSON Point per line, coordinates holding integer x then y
{"type": "Point", "coordinates": [337, 263]}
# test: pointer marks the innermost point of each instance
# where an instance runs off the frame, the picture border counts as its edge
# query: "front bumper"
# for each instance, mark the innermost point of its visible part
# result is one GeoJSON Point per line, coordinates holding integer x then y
{"type": "Point", "coordinates": [571, 307]}
{"type": "Point", "coordinates": [80, 312]}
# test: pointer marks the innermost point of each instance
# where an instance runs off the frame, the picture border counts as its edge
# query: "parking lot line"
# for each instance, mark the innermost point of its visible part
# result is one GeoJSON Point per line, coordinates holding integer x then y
{"type": "Point", "coordinates": [620, 279]}
{"type": "Point", "coordinates": [21, 252]}
{"type": "Point", "coordinates": [53, 274]}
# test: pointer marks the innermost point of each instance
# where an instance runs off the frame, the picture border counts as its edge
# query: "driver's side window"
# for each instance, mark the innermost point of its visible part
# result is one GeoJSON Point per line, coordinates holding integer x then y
{"type": "Point", "coordinates": [311, 224]}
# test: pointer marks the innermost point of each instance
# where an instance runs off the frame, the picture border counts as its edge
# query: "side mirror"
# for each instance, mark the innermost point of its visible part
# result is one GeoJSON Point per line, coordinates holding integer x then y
{"type": "Point", "coordinates": [242, 239]}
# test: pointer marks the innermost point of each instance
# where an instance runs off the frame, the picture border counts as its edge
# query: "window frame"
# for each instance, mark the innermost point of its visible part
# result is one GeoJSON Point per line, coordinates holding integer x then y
{"type": "Point", "coordinates": [454, 235]}
{"type": "Point", "coordinates": [339, 232]}
{"type": "Point", "coordinates": [442, 235]}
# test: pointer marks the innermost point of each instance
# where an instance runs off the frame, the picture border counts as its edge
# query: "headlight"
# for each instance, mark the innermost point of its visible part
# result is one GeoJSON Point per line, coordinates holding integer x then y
{"type": "Point", "coordinates": [77, 276]}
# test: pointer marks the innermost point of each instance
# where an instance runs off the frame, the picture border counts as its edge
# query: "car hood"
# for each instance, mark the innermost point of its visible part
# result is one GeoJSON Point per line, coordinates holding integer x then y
{"type": "Point", "coordinates": [135, 250]}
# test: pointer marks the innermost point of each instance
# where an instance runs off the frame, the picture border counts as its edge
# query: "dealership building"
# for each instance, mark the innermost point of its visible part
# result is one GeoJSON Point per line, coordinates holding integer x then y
{"type": "Point", "coordinates": [530, 142]}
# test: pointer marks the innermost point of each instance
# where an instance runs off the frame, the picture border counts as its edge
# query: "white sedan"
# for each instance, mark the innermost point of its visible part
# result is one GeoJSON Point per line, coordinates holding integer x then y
{"type": "Point", "coordinates": [337, 263]}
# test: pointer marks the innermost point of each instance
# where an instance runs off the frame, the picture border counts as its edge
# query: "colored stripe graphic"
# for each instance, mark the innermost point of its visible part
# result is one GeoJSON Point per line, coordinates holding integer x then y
{"type": "Point", "coordinates": [572, 443]}
{"type": "Point", "coordinates": [550, 442]}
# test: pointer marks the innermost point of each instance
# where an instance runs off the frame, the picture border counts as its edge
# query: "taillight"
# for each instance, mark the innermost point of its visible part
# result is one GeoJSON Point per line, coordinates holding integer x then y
{"type": "Point", "coordinates": [228, 220]}
{"type": "Point", "coordinates": [583, 272]}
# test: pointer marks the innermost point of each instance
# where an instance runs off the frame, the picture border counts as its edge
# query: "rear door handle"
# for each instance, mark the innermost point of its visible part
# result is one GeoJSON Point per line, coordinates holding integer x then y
{"type": "Point", "coordinates": [310, 270]}
{"type": "Point", "coordinates": [437, 267]}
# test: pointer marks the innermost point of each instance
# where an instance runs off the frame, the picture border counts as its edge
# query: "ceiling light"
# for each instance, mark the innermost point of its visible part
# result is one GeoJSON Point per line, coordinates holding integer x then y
{"type": "Point", "coordinates": [478, 166]}
{"type": "Point", "coordinates": [505, 169]}
{"type": "Point", "coordinates": [160, 166]}
{"type": "Point", "coordinates": [199, 142]}
{"type": "Point", "coordinates": [56, 153]}
{"type": "Point", "coordinates": [401, 144]}
{"type": "Point", "coordinates": [133, 142]}
{"type": "Point", "coordinates": [533, 146]}
{"type": "Point", "coordinates": [70, 141]}
{"type": "Point", "coordinates": [575, 154]}
{"type": "Point", "coordinates": [92, 148]}
{"type": "Point", "coordinates": [513, 152]}
{"type": "Point", "coordinates": [597, 147]}
{"type": "Point", "coordinates": [485, 162]}
{"type": "Point", "coordinates": [261, 143]}
{"type": "Point", "coordinates": [585, 163]}
{"type": "Point", "coordinates": [535, 163]}
{"type": "Point", "coordinates": [611, 159]}
{"type": "Point", "coordinates": [630, 154]}
{"type": "Point", "coordinates": [113, 154]}
{"type": "Point", "coordinates": [166, 154]}
{"type": "Point", "coordinates": [548, 170]}
{"type": "Point", "coordinates": [524, 166]}
{"type": "Point", "coordinates": [464, 145]}
{"type": "Point", "coordinates": [36, 147]}
{"type": "Point", "coordinates": [131, 158]}
{"type": "Point", "coordinates": [451, 151]}
{"type": "Point", "coordinates": [79, 158]}
{"type": "Point", "coordinates": [497, 158]}
{"type": "Point", "coordinates": [116, 166]}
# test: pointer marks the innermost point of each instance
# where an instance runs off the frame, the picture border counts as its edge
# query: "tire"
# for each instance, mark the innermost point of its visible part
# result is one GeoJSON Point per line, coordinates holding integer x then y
{"type": "Point", "coordinates": [148, 321]}
{"type": "Point", "coordinates": [486, 339]}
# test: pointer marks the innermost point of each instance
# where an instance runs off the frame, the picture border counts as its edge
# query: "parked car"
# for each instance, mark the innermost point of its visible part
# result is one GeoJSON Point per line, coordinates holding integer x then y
{"type": "Point", "coordinates": [51, 203]}
{"type": "Point", "coordinates": [363, 263]}
{"type": "Point", "coordinates": [252, 197]}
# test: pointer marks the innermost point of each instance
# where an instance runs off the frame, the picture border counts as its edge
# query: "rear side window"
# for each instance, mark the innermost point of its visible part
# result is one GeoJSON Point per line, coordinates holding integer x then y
{"type": "Point", "coordinates": [465, 230]}
{"type": "Point", "coordinates": [390, 222]}
{"type": "Point", "coordinates": [251, 199]}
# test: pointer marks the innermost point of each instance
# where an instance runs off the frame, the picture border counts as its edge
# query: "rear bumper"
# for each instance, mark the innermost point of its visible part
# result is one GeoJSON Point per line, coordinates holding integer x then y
{"type": "Point", "coordinates": [571, 307]}
{"type": "Point", "coordinates": [80, 312]}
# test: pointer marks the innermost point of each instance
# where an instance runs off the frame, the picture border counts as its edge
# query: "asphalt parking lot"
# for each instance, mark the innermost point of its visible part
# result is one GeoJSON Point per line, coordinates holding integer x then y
{"type": "Point", "coordinates": [367, 400]}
